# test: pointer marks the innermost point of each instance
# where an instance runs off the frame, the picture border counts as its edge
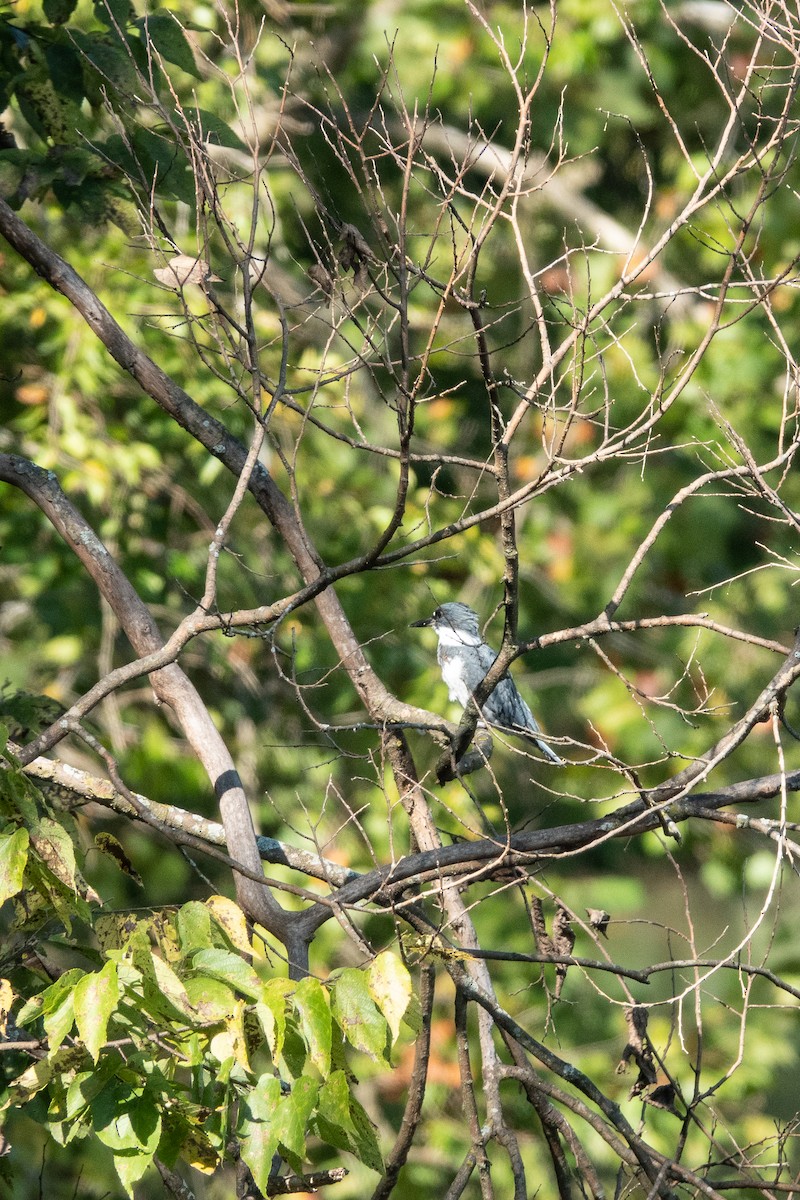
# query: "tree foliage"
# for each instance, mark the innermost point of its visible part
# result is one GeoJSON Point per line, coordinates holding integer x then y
{"type": "Point", "coordinates": [312, 323]}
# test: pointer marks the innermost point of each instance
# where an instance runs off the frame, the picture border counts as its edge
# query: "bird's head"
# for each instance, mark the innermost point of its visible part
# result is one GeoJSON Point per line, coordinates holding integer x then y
{"type": "Point", "coordinates": [455, 623]}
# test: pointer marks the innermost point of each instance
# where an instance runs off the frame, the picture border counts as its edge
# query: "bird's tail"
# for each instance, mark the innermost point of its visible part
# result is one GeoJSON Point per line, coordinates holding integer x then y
{"type": "Point", "coordinates": [549, 753]}
{"type": "Point", "coordinates": [529, 736]}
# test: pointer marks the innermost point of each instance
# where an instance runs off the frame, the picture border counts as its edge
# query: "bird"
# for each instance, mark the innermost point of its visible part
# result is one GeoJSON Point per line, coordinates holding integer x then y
{"type": "Point", "coordinates": [464, 658]}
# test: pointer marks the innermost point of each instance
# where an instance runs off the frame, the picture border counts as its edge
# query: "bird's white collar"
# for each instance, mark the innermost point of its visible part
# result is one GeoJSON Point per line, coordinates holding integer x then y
{"type": "Point", "coordinates": [456, 637]}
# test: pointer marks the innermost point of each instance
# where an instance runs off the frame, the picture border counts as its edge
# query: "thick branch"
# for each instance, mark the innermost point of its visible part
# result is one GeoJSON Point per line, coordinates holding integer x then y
{"type": "Point", "coordinates": [170, 684]}
{"type": "Point", "coordinates": [177, 821]}
{"type": "Point", "coordinates": [479, 859]}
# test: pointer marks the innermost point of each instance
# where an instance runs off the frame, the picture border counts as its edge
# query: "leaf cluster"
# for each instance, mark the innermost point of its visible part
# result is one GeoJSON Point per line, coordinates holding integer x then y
{"type": "Point", "coordinates": [179, 1036]}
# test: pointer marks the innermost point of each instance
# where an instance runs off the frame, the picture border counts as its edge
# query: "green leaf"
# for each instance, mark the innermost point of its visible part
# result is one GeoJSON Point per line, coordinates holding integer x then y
{"type": "Point", "coordinates": [26, 713]}
{"type": "Point", "coordinates": [105, 66]}
{"type": "Point", "coordinates": [193, 922]}
{"type": "Point", "coordinates": [54, 1004]}
{"type": "Point", "coordinates": [357, 1015]}
{"type": "Point", "coordinates": [365, 1140]}
{"type": "Point", "coordinates": [113, 13]}
{"type": "Point", "coordinates": [213, 1001]}
{"type": "Point", "coordinates": [13, 857]}
{"type": "Point", "coordinates": [413, 1015]}
{"type": "Point", "coordinates": [130, 1125]}
{"type": "Point", "coordinates": [76, 1102]}
{"type": "Point", "coordinates": [163, 32]}
{"type": "Point", "coordinates": [126, 1121]}
{"type": "Point", "coordinates": [49, 113]}
{"type": "Point", "coordinates": [294, 1056]}
{"type": "Point", "coordinates": [96, 998]}
{"type": "Point", "coordinates": [65, 985]}
{"type": "Point", "coordinates": [304, 1095]}
{"type": "Point", "coordinates": [210, 128]}
{"type": "Point", "coordinates": [20, 799]}
{"type": "Point", "coordinates": [87, 1085]}
{"type": "Point", "coordinates": [390, 988]}
{"type": "Point", "coordinates": [271, 1012]}
{"type": "Point", "coordinates": [258, 1138]}
{"type": "Point", "coordinates": [69, 166]}
{"type": "Point", "coordinates": [151, 159]}
{"type": "Point", "coordinates": [313, 1009]}
{"type": "Point", "coordinates": [342, 1122]}
{"type": "Point", "coordinates": [172, 989]}
{"type": "Point", "coordinates": [59, 11]}
{"type": "Point", "coordinates": [291, 1118]}
{"type": "Point", "coordinates": [163, 994]}
{"type": "Point", "coordinates": [131, 1168]}
{"type": "Point", "coordinates": [66, 71]}
{"type": "Point", "coordinates": [59, 1020]}
{"type": "Point", "coordinates": [230, 969]}
{"type": "Point", "coordinates": [41, 1073]}
{"type": "Point", "coordinates": [334, 1101]}
{"type": "Point", "coordinates": [114, 930]}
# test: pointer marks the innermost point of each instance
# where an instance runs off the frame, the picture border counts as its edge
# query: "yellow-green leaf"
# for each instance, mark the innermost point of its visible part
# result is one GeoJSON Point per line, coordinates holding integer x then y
{"type": "Point", "coordinates": [230, 969]}
{"type": "Point", "coordinates": [13, 857]}
{"type": "Point", "coordinates": [314, 1010]}
{"type": "Point", "coordinates": [259, 1141]}
{"type": "Point", "coordinates": [231, 921]}
{"type": "Point", "coordinates": [95, 1000]}
{"type": "Point", "coordinates": [357, 1014]}
{"type": "Point", "coordinates": [390, 988]}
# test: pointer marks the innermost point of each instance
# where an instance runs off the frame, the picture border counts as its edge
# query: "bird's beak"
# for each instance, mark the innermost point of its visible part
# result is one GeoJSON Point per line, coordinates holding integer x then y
{"type": "Point", "coordinates": [421, 624]}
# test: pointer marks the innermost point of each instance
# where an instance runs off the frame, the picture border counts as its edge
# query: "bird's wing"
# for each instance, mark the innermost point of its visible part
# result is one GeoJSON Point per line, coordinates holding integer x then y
{"type": "Point", "coordinates": [506, 709]}
{"type": "Point", "coordinates": [486, 657]}
{"type": "Point", "coordinates": [505, 699]}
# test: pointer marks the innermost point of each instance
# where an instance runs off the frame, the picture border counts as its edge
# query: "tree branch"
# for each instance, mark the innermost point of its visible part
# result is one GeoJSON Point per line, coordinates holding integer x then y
{"type": "Point", "coordinates": [170, 684]}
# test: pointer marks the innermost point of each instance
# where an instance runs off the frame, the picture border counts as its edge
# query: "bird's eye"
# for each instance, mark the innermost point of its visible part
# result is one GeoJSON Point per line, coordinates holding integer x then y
{"type": "Point", "coordinates": [437, 614]}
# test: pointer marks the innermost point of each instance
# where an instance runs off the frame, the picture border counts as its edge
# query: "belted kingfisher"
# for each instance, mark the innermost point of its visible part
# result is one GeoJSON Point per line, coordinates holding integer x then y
{"type": "Point", "coordinates": [465, 658]}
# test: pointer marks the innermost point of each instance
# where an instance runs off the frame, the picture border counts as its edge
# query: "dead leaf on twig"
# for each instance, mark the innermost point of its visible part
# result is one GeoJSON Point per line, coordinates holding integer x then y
{"type": "Point", "coordinates": [563, 942]}
{"type": "Point", "coordinates": [183, 269]}
{"type": "Point", "coordinates": [663, 1096]}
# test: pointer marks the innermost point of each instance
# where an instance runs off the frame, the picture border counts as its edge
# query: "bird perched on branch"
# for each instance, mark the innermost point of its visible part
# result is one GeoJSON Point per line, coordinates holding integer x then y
{"type": "Point", "coordinates": [465, 658]}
